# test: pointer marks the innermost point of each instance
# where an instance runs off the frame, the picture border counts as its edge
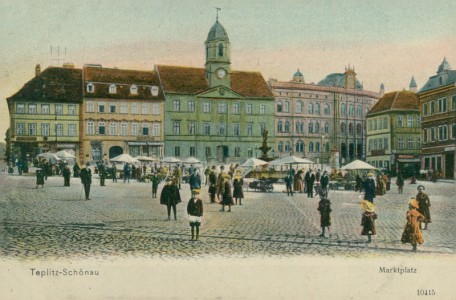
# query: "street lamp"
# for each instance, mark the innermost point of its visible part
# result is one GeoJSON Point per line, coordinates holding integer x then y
{"type": "Point", "coordinates": [322, 149]}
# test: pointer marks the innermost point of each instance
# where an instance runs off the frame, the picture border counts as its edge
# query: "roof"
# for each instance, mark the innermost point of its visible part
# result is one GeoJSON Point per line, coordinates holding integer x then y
{"type": "Point", "coordinates": [338, 80]}
{"type": "Point", "coordinates": [444, 66]}
{"type": "Point", "coordinates": [188, 80]}
{"type": "Point", "coordinates": [444, 76]}
{"type": "Point", "coordinates": [412, 82]}
{"type": "Point", "coordinates": [102, 78]}
{"type": "Point", "coordinates": [217, 32]}
{"type": "Point", "coordinates": [298, 73]}
{"type": "Point", "coordinates": [53, 84]}
{"type": "Point", "coordinates": [403, 100]}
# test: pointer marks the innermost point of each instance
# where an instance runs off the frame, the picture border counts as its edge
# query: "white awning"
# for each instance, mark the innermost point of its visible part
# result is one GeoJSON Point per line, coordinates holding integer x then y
{"type": "Point", "coordinates": [404, 160]}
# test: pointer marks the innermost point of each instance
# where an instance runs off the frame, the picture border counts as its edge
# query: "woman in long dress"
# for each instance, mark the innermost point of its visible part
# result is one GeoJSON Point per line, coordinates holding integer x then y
{"type": "Point", "coordinates": [412, 231]}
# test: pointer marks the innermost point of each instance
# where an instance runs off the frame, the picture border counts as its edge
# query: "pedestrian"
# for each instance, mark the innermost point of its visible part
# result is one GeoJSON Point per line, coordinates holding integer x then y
{"type": "Point", "coordinates": [412, 233]}
{"type": "Point", "coordinates": [155, 180]}
{"type": "Point", "coordinates": [413, 179]}
{"type": "Point", "coordinates": [113, 172]}
{"type": "Point", "coordinates": [289, 184]}
{"type": "Point", "coordinates": [369, 188]}
{"type": "Point", "coordinates": [195, 213]}
{"type": "Point", "coordinates": [227, 197]}
{"type": "Point", "coordinates": [424, 203]}
{"type": "Point", "coordinates": [170, 197]}
{"type": "Point", "coordinates": [324, 207]}
{"type": "Point", "coordinates": [212, 184]}
{"type": "Point", "coordinates": [178, 175]}
{"type": "Point", "coordinates": [206, 175]}
{"type": "Point", "coordinates": [86, 179]}
{"type": "Point", "coordinates": [10, 169]}
{"type": "Point", "coordinates": [19, 166]}
{"type": "Point", "coordinates": [368, 219]}
{"type": "Point", "coordinates": [220, 182]}
{"type": "Point", "coordinates": [46, 169]}
{"type": "Point", "coordinates": [195, 180]}
{"type": "Point", "coordinates": [387, 182]}
{"type": "Point", "coordinates": [310, 179]}
{"type": "Point", "coordinates": [39, 178]}
{"type": "Point", "coordinates": [318, 176]}
{"type": "Point", "coordinates": [238, 182]}
{"type": "Point", "coordinates": [297, 182]}
{"type": "Point", "coordinates": [76, 170]}
{"type": "Point", "coordinates": [324, 181]}
{"type": "Point", "coordinates": [66, 173]}
{"type": "Point", "coordinates": [102, 172]}
{"type": "Point", "coordinates": [400, 183]}
{"type": "Point", "coordinates": [127, 172]}
{"type": "Point", "coordinates": [359, 183]}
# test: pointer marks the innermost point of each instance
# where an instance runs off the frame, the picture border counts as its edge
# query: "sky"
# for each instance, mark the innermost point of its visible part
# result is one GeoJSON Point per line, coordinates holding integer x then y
{"type": "Point", "coordinates": [386, 41]}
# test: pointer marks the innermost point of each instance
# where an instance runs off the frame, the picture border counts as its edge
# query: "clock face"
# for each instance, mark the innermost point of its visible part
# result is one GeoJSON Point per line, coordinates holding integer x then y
{"type": "Point", "coordinates": [221, 73]}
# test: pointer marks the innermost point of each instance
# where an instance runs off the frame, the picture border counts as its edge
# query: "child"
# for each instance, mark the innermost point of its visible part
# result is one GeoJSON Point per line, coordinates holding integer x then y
{"type": "Point", "coordinates": [39, 178]}
{"type": "Point", "coordinates": [368, 219]}
{"type": "Point", "coordinates": [412, 232]}
{"type": "Point", "coordinates": [155, 181]}
{"type": "Point", "coordinates": [195, 213]}
{"type": "Point", "coordinates": [324, 207]}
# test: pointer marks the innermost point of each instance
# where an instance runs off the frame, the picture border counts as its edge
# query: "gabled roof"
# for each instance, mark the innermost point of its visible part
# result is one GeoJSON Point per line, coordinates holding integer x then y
{"type": "Point", "coordinates": [217, 33]}
{"type": "Point", "coordinates": [404, 100]}
{"type": "Point", "coordinates": [102, 78]}
{"type": "Point", "coordinates": [53, 84]}
{"type": "Point", "coordinates": [442, 79]}
{"type": "Point", "coordinates": [188, 80]}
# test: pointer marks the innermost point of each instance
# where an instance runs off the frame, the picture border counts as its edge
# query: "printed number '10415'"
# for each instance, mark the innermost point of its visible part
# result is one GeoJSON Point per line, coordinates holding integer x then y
{"type": "Point", "coordinates": [426, 293]}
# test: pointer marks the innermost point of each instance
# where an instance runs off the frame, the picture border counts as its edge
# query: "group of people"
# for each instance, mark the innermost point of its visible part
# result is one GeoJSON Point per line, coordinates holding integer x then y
{"type": "Point", "coordinates": [299, 183]}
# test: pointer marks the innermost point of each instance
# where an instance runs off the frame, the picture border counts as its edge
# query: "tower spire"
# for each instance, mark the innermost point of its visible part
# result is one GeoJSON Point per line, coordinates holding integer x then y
{"type": "Point", "coordinates": [217, 10]}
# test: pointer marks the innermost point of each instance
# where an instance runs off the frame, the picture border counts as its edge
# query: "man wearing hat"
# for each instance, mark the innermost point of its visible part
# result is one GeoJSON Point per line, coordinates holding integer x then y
{"type": "Point", "coordinates": [412, 232]}
{"type": "Point", "coordinates": [170, 197]}
{"type": "Point", "coordinates": [195, 213]}
{"type": "Point", "coordinates": [424, 204]}
{"type": "Point", "coordinates": [86, 179]}
{"type": "Point", "coordinates": [369, 188]}
{"type": "Point", "coordinates": [212, 184]}
{"type": "Point", "coordinates": [368, 219]}
{"type": "Point", "coordinates": [238, 184]}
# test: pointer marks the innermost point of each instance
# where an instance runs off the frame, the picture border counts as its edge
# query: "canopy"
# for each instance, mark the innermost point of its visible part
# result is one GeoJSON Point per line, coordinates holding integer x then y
{"type": "Point", "coordinates": [64, 154]}
{"type": "Point", "coordinates": [145, 158]}
{"type": "Point", "coordinates": [358, 165]}
{"type": "Point", "coordinates": [253, 162]}
{"type": "Point", "coordinates": [124, 158]}
{"type": "Point", "coordinates": [191, 160]}
{"type": "Point", "coordinates": [290, 160]}
{"type": "Point", "coordinates": [49, 156]}
{"type": "Point", "coordinates": [171, 160]}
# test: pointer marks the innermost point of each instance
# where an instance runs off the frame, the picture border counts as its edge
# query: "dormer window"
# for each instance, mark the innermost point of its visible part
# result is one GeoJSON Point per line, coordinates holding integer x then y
{"type": "Point", "coordinates": [154, 90]}
{"type": "Point", "coordinates": [112, 89]}
{"type": "Point", "coordinates": [90, 88]}
{"type": "Point", "coordinates": [134, 90]}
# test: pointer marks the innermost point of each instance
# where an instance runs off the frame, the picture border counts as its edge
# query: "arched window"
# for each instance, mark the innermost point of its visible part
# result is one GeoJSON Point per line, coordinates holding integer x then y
{"type": "Point", "coordinates": [134, 90]}
{"type": "Point", "coordinates": [90, 88]}
{"type": "Point", "coordinates": [112, 89]}
{"type": "Point", "coordinates": [300, 146]}
{"type": "Point", "coordinates": [279, 126]}
{"type": "Point", "coordinates": [327, 109]}
{"type": "Point", "coordinates": [343, 109]}
{"type": "Point", "coordinates": [317, 108]}
{"type": "Point", "coordinates": [343, 127]}
{"type": "Point", "coordinates": [310, 108]}
{"type": "Point", "coordinates": [279, 106]}
{"type": "Point", "coordinates": [350, 128]}
{"type": "Point", "coordinates": [317, 147]}
{"type": "Point", "coordinates": [311, 147]}
{"type": "Point", "coordinates": [317, 127]}
{"type": "Point", "coordinates": [326, 127]}
{"type": "Point", "coordinates": [360, 111]}
{"type": "Point", "coordinates": [220, 50]}
{"type": "Point", "coordinates": [327, 146]}
{"type": "Point", "coordinates": [287, 147]}
{"type": "Point", "coordinates": [299, 107]}
{"type": "Point", "coordinates": [359, 129]}
{"type": "Point", "coordinates": [280, 146]}
{"type": "Point", "coordinates": [286, 107]}
{"type": "Point", "coordinates": [351, 110]}
{"type": "Point", "coordinates": [311, 127]}
{"type": "Point", "coordinates": [287, 126]}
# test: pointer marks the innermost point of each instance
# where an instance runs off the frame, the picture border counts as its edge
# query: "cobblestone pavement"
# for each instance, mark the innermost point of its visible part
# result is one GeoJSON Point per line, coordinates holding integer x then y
{"type": "Point", "coordinates": [123, 220]}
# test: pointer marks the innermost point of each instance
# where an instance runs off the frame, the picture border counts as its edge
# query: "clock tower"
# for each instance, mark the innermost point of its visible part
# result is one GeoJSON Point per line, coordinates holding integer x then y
{"type": "Point", "coordinates": [218, 57]}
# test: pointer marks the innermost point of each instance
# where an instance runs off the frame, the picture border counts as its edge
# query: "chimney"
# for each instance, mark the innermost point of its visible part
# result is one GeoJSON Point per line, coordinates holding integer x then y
{"type": "Point", "coordinates": [37, 70]}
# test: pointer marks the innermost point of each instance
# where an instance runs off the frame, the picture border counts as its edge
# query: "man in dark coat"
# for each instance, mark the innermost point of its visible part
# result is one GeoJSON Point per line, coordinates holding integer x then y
{"type": "Point", "coordinates": [86, 179]}
{"type": "Point", "coordinates": [113, 171]}
{"type": "Point", "coordinates": [102, 172]}
{"type": "Point", "coordinates": [76, 170]}
{"type": "Point", "coordinates": [289, 184]}
{"type": "Point", "coordinates": [155, 180]}
{"type": "Point", "coordinates": [212, 184]}
{"type": "Point", "coordinates": [369, 188]}
{"type": "Point", "coordinates": [170, 197]}
{"type": "Point", "coordinates": [324, 181]}
{"type": "Point", "coordinates": [310, 179]}
{"type": "Point", "coordinates": [194, 181]}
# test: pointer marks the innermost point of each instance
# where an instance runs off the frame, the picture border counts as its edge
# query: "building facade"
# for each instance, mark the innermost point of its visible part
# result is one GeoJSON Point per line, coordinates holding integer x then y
{"type": "Point", "coordinates": [122, 112]}
{"type": "Point", "coordinates": [215, 114]}
{"type": "Point", "coordinates": [438, 110]}
{"type": "Point", "coordinates": [313, 119]}
{"type": "Point", "coordinates": [393, 133]}
{"type": "Point", "coordinates": [45, 112]}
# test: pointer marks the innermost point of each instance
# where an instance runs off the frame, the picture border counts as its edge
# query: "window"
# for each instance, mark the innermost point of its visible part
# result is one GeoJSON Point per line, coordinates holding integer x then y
{"type": "Point", "coordinates": [279, 106]}
{"type": "Point", "coordinates": [327, 109]}
{"type": "Point", "coordinates": [101, 107]}
{"type": "Point", "coordinates": [359, 110]}
{"type": "Point", "coordinates": [113, 128]}
{"type": "Point", "coordinates": [262, 127]}
{"type": "Point", "coordinates": [425, 109]}
{"type": "Point", "coordinates": [134, 129]}
{"type": "Point", "coordinates": [90, 88]}
{"type": "Point", "coordinates": [300, 146]}
{"type": "Point", "coordinates": [144, 108]}
{"type": "Point", "coordinates": [425, 135]}
{"type": "Point", "coordinates": [112, 89]}
{"type": "Point", "coordinates": [176, 128]}
{"type": "Point", "coordinates": [101, 128]}
{"type": "Point", "coordinates": [350, 128]}
{"type": "Point", "coordinates": [45, 109]}
{"type": "Point", "coordinates": [443, 133]}
{"type": "Point", "coordinates": [154, 90]}
{"type": "Point", "coordinates": [380, 144]}
{"type": "Point", "coordinates": [20, 108]}
{"type": "Point", "coordinates": [72, 110]}
{"type": "Point", "coordinates": [317, 147]}
{"type": "Point", "coordinates": [177, 151]}
{"type": "Point", "coordinates": [134, 108]}
{"type": "Point", "coordinates": [453, 102]}
{"type": "Point", "coordinates": [287, 147]}
{"type": "Point", "coordinates": [156, 129]}
{"type": "Point", "coordinates": [191, 106]}
{"type": "Point", "coordinates": [343, 109]}
{"type": "Point", "coordinates": [236, 129]}
{"type": "Point", "coordinates": [343, 127]}
{"type": "Point", "coordinates": [311, 127]}
{"type": "Point", "coordinates": [299, 127]}
{"type": "Point", "coordinates": [206, 107]}
{"type": "Point", "coordinates": [385, 143]}
{"type": "Point", "coordinates": [176, 105]}
{"type": "Point", "coordinates": [317, 127]}
{"type": "Point", "coordinates": [72, 129]}
{"type": "Point", "coordinates": [123, 109]}
{"type": "Point", "coordinates": [409, 121]}
{"type": "Point", "coordinates": [236, 108]}
{"type": "Point", "coordinates": [31, 129]}
{"type": "Point", "coordinates": [220, 50]}
{"type": "Point", "coordinates": [145, 128]}
{"type": "Point", "coordinates": [90, 128]}
{"type": "Point", "coordinates": [442, 105]}
{"type": "Point", "coordinates": [287, 126]}
{"type": "Point", "coordinates": [112, 107]}
{"type": "Point", "coordinates": [400, 121]}
{"type": "Point", "coordinates": [192, 151]}
{"type": "Point", "coordinates": [351, 110]}
{"type": "Point", "coordinates": [45, 129]}
{"type": "Point", "coordinates": [453, 131]}
{"type": "Point", "coordinates": [249, 129]}
{"type": "Point", "coordinates": [299, 105]}
{"type": "Point", "coordinates": [134, 90]}
{"type": "Point", "coordinates": [155, 108]}
{"type": "Point", "coordinates": [192, 128]}
{"type": "Point", "coordinates": [90, 107]}
{"type": "Point", "coordinates": [32, 108]}
{"type": "Point", "coordinates": [262, 109]}
{"type": "Point", "coordinates": [20, 128]}
{"type": "Point", "coordinates": [311, 147]}
{"type": "Point", "coordinates": [221, 108]}
{"type": "Point", "coordinates": [208, 151]}
{"type": "Point", "coordinates": [248, 109]}
{"type": "Point", "coordinates": [433, 134]}
{"type": "Point", "coordinates": [280, 146]}
{"type": "Point", "coordinates": [400, 143]}
{"type": "Point", "coordinates": [326, 127]}
{"type": "Point", "coordinates": [221, 128]}
{"type": "Point", "coordinates": [317, 108]}
{"type": "Point", "coordinates": [385, 123]}
{"type": "Point", "coordinates": [375, 122]}
{"type": "Point", "coordinates": [59, 109]}
{"type": "Point", "coordinates": [432, 107]}
{"type": "Point", "coordinates": [279, 126]}
{"type": "Point", "coordinates": [286, 107]}
{"type": "Point", "coordinates": [237, 151]}
{"type": "Point", "coordinates": [206, 128]}
{"type": "Point", "coordinates": [310, 108]}
{"type": "Point", "coordinates": [123, 129]}
{"type": "Point", "coordinates": [410, 143]}
{"type": "Point", "coordinates": [59, 129]}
